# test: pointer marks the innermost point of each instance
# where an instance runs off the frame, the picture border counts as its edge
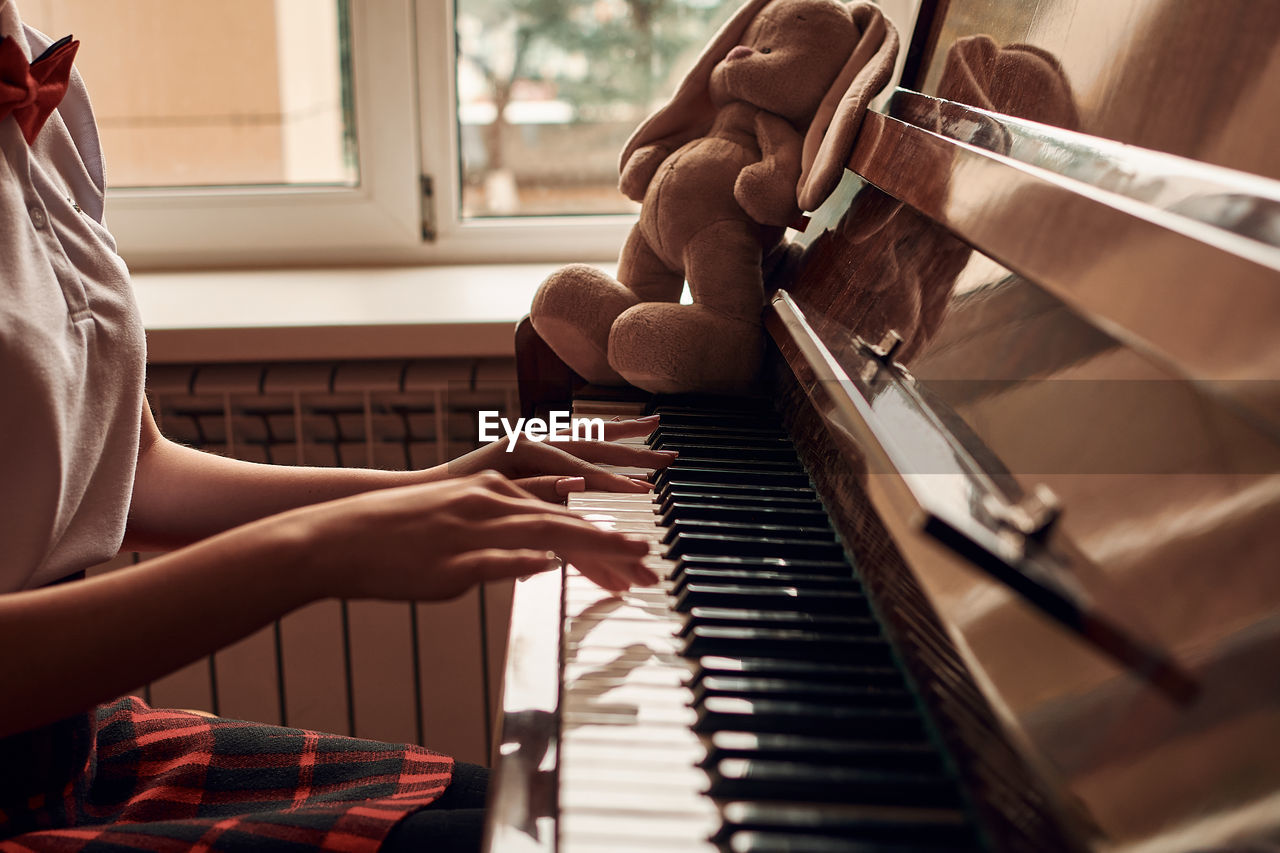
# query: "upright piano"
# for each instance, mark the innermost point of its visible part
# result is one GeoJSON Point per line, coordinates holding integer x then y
{"type": "Point", "coordinates": [991, 559]}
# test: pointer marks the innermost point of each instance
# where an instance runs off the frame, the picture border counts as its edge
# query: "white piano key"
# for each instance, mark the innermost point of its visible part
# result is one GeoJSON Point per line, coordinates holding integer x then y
{"type": "Point", "coordinates": [593, 843]}
{"type": "Point", "coordinates": [587, 774]}
{"type": "Point", "coordinates": [628, 471]}
{"type": "Point", "coordinates": [591, 603]}
{"type": "Point", "coordinates": [620, 672]}
{"type": "Point", "coordinates": [613, 518]}
{"type": "Point", "coordinates": [639, 619]}
{"type": "Point", "coordinates": [625, 694]}
{"type": "Point", "coordinates": [605, 832]}
{"type": "Point", "coordinates": [627, 714]}
{"type": "Point", "coordinates": [669, 740]}
{"type": "Point", "coordinates": [599, 745]}
{"type": "Point", "coordinates": [581, 595]}
{"type": "Point", "coordinates": [628, 777]}
{"type": "Point", "coordinates": [654, 799]}
{"type": "Point", "coordinates": [621, 501]}
{"type": "Point", "coordinates": [632, 656]}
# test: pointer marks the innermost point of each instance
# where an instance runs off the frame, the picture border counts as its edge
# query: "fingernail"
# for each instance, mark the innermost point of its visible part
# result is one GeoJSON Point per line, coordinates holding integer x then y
{"type": "Point", "coordinates": [565, 485]}
{"type": "Point", "coordinates": [649, 419]}
{"type": "Point", "coordinates": [672, 454]}
{"type": "Point", "coordinates": [644, 485]}
{"type": "Point", "coordinates": [553, 562]}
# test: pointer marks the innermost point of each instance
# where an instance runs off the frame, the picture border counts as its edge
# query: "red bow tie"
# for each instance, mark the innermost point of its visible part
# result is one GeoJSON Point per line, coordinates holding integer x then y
{"type": "Point", "coordinates": [32, 92]}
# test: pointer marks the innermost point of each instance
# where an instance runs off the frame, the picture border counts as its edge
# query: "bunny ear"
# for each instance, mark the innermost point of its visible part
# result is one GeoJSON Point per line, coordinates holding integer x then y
{"type": "Point", "coordinates": [1017, 79]}
{"type": "Point", "coordinates": [829, 140]}
{"type": "Point", "coordinates": [689, 112]}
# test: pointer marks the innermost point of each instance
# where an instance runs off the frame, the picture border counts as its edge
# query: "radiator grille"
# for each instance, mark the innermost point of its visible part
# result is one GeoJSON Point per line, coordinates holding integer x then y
{"type": "Point", "coordinates": [422, 673]}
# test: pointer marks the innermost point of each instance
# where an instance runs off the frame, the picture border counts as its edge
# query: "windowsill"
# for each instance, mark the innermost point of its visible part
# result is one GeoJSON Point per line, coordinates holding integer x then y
{"type": "Point", "coordinates": [401, 312]}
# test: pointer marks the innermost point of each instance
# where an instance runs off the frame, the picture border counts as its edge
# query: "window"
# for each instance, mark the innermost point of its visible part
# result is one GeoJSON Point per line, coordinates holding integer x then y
{"type": "Point", "coordinates": [251, 132]}
{"type": "Point", "coordinates": [549, 92]}
{"type": "Point", "coordinates": [261, 97]}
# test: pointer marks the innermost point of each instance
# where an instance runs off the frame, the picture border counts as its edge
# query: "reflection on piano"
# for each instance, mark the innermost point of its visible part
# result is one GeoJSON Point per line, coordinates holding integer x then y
{"type": "Point", "coordinates": [988, 562]}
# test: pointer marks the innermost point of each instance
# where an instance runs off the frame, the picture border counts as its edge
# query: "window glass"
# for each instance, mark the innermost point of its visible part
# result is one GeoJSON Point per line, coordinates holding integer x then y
{"type": "Point", "coordinates": [201, 93]}
{"type": "Point", "coordinates": [550, 90]}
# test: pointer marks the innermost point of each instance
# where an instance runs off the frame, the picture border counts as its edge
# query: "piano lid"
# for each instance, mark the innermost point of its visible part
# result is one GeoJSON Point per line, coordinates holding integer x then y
{"type": "Point", "coordinates": [1103, 320]}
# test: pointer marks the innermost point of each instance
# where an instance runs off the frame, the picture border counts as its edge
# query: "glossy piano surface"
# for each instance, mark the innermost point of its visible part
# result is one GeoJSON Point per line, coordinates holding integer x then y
{"type": "Point", "coordinates": [1142, 393]}
{"type": "Point", "coordinates": [1070, 216]}
{"type": "Point", "coordinates": [1197, 78]}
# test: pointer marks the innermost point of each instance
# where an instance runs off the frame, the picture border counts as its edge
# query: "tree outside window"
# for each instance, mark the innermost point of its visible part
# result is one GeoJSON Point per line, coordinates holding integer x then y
{"type": "Point", "coordinates": [549, 91]}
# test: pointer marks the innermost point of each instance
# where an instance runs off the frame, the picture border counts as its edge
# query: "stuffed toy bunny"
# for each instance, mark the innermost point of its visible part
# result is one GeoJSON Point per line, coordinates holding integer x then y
{"type": "Point", "coordinates": [760, 129]}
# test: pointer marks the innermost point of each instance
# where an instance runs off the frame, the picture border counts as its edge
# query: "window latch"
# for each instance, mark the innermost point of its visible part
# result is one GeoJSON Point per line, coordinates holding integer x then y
{"type": "Point", "coordinates": [427, 203]}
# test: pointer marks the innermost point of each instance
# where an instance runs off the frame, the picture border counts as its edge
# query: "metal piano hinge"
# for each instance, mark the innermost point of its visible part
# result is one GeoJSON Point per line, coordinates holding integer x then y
{"type": "Point", "coordinates": [427, 205]}
{"type": "Point", "coordinates": [881, 355]}
{"type": "Point", "coordinates": [1031, 518]}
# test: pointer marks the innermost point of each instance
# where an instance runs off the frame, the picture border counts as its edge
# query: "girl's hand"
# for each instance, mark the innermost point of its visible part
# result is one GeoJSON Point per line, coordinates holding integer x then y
{"type": "Point", "coordinates": [435, 541]}
{"type": "Point", "coordinates": [551, 471]}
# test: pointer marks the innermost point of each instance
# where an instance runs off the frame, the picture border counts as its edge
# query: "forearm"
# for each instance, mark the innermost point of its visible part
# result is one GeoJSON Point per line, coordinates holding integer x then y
{"type": "Point", "coordinates": [183, 495]}
{"type": "Point", "coordinates": [66, 648]}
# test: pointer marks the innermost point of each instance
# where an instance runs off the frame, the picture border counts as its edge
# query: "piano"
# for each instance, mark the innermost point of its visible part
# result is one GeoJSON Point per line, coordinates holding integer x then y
{"type": "Point", "coordinates": [989, 560]}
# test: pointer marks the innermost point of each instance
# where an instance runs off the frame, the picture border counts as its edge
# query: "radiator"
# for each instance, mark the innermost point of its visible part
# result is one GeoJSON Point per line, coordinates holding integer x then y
{"type": "Point", "coordinates": [417, 673]}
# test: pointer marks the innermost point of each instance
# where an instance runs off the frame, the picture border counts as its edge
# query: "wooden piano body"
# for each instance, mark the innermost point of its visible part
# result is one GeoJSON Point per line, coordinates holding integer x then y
{"type": "Point", "coordinates": [1029, 352]}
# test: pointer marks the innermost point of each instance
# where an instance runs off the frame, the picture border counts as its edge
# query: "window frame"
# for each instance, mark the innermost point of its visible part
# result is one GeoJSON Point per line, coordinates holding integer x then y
{"type": "Point", "coordinates": [404, 71]}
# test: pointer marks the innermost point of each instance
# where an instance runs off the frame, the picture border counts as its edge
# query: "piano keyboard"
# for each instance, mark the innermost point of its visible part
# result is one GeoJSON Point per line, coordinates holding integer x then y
{"type": "Point", "coordinates": [748, 702]}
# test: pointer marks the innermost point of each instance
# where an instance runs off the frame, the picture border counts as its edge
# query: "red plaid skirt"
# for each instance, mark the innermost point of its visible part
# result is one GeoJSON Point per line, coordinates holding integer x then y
{"type": "Point", "coordinates": [133, 777]}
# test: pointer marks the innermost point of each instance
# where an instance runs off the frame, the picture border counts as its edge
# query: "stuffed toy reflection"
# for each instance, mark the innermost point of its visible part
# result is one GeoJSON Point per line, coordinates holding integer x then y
{"type": "Point", "coordinates": [760, 129]}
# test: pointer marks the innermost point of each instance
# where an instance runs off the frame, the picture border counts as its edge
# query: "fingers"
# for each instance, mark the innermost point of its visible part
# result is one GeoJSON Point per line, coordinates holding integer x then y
{"type": "Point", "coordinates": [608, 557]}
{"type": "Point", "coordinates": [491, 495]}
{"type": "Point", "coordinates": [607, 453]}
{"type": "Point", "coordinates": [567, 535]}
{"type": "Point", "coordinates": [630, 428]}
{"type": "Point", "coordinates": [552, 487]}
{"type": "Point", "coordinates": [538, 460]}
{"type": "Point", "coordinates": [493, 564]}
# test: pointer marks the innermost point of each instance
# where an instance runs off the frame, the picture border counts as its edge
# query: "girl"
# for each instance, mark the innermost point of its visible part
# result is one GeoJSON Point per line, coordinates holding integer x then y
{"type": "Point", "coordinates": [84, 471]}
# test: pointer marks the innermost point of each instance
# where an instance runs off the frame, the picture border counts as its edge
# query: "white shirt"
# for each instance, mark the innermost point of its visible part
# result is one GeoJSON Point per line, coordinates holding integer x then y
{"type": "Point", "coordinates": [72, 351]}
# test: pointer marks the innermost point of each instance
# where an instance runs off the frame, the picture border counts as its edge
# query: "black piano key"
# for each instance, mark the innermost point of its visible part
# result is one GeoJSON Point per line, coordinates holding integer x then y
{"type": "Point", "coordinates": [919, 755]}
{"type": "Point", "coordinates": [794, 842]}
{"type": "Point", "coordinates": [677, 475]}
{"type": "Point", "coordinates": [923, 828]}
{"type": "Point", "coordinates": [725, 713]}
{"type": "Point", "coordinates": [752, 546]}
{"type": "Point", "coordinates": [755, 779]}
{"type": "Point", "coordinates": [738, 617]}
{"type": "Point", "coordinates": [768, 598]}
{"type": "Point", "coordinates": [742, 436]}
{"type": "Point", "coordinates": [682, 577]}
{"type": "Point", "coordinates": [744, 514]}
{"type": "Point", "coordinates": [701, 448]}
{"type": "Point", "coordinates": [761, 419]}
{"type": "Point", "coordinates": [739, 462]}
{"type": "Point", "coordinates": [741, 445]}
{"type": "Point", "coordinates": [884, 674]}
{"type": "Point", "coordinates": [835, 568]}
{"type": "Point", "coordinates": [799, 500]}
{"type": "Point", "coordinates": [734, 528]}
{"type": "Point", "coordinates": [716, 492]}
{"type": "Point", "coordinates": [789, 689]}
{"type": "Point", "coordinates": [784, 643]}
